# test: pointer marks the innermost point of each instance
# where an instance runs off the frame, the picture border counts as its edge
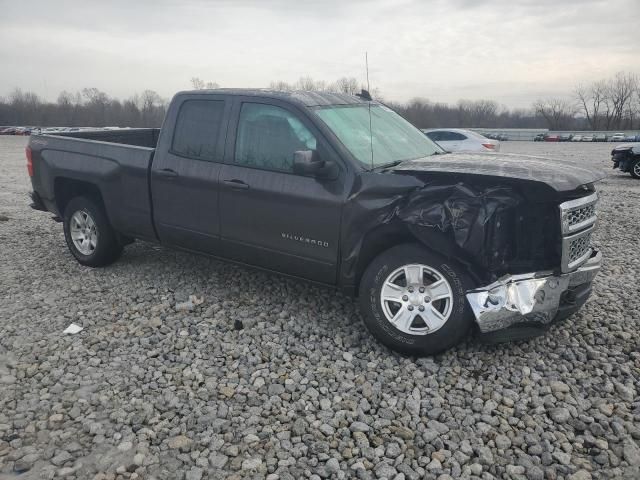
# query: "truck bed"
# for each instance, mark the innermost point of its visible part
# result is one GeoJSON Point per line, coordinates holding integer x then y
{"type": "Point", "coordinates": [117, 162]}
{"type": "Point", "coordinates": [139, 137]}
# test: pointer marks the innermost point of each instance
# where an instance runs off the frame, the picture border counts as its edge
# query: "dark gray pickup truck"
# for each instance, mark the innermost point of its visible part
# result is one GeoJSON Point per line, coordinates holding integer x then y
{"type": "Point", "coordinates": [342, 191]}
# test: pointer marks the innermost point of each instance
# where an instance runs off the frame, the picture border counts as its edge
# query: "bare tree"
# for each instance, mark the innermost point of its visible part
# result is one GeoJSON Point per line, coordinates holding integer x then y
{"type": "Point", "coordinates": [477, 113]}
{"type": "Point", "coordinates": [199, 84]}
{"type": "Point", "coordinates": [557, 112]}
{"type": "Point", "coordinates": [281, 86]}
{"type": "Point", "coordinates": [620, 92]}
{"type": "Point", "coordinates": [591, 100]}
{"type": "Point", "coordinates": [348, 85]}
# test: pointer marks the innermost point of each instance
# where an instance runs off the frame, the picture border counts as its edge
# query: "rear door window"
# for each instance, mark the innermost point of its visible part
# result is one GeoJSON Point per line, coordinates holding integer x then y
{"type": "Point", "coordinates": [447, 136]}
{"type": "Point", "coordinates": [198, 128]}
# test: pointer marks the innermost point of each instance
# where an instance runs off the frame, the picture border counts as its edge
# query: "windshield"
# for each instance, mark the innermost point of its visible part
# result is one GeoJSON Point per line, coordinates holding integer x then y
{"type": "Point", "coordinates": [390, 136]}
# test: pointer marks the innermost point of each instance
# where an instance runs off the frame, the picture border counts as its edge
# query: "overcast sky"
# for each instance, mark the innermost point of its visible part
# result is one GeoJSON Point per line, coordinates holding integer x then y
{"type": "Point", "coordinates": [512, 51]}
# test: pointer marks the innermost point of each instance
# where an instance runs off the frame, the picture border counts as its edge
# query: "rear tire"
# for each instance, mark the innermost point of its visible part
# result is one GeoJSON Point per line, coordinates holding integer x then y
{"type": "Point", "coordinates": [423, 316]}
{"type": "Point", "coordinates": [90, 237]}
{"type": "Point", "coordinates": [635, 169]}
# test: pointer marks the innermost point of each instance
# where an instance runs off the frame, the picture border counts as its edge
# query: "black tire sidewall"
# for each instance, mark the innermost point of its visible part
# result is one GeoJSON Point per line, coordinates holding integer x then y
{"type": "Point", "coordinates": [107, 248]}
{"type": "Point", "coordinates": [450, 334]}
{"type": "Point", "coordinates": [633, 166]}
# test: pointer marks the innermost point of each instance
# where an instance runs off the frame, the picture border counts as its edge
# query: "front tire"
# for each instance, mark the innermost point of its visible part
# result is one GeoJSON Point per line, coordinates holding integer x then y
{"type": "Point", "coordinates": [413, 301]}
{"type": "Point", "coordinates": [90, 237]}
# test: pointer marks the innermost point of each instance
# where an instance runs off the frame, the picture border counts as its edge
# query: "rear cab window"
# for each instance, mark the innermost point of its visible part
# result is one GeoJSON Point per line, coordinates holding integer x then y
{"type": "Point", "coordinates": [197, 129]}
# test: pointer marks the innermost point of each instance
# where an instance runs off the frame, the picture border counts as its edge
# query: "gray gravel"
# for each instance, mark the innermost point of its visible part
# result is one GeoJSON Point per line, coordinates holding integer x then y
{"type": "Point", "coordinates": [158, 385]}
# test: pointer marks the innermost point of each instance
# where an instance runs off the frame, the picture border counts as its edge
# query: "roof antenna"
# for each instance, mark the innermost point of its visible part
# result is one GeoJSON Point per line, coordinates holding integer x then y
{"type": "Point", "coordinates": [366, 96]}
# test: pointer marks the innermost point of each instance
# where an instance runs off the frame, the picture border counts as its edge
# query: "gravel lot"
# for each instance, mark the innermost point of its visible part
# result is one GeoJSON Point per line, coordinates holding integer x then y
{"type": "Point", "coordinates": [155, 388]}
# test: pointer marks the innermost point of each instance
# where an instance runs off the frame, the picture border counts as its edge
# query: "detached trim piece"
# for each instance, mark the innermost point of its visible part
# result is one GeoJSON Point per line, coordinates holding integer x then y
{"type": "Point", "coordinates": [532, 298]}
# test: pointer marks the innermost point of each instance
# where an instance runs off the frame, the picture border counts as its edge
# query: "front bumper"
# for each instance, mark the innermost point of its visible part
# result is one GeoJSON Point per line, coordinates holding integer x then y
{"type": "Point", "coordinates": [532, 299]}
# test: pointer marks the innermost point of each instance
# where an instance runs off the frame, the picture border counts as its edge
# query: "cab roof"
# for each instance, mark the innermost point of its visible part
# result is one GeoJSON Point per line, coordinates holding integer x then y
{"type": "Point", "coordinates": [300, 97]}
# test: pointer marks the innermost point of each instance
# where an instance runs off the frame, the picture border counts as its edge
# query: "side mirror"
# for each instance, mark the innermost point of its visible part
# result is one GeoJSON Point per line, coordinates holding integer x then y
{"type": "Point", "coordinates": [308, 162]}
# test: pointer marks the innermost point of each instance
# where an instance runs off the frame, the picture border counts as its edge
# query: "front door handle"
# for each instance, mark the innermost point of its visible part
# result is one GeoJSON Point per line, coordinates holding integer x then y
{"type": "Point", "coordinates": [236, 184]}
{"type": "Point", "coordinates": [167, 172]}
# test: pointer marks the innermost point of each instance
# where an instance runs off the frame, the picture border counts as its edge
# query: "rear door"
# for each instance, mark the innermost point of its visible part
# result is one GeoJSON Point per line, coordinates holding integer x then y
{"type": "Point", "coordinates": [270, 216]}
{"type": "Point", "coordinates": [184, 176]}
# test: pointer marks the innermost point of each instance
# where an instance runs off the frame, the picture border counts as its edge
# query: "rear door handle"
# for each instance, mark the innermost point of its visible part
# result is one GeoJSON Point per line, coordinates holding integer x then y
{"type": "Point", "coordinates": [236, 184]}
{"type": "Point", "coordinates": [167, 172]}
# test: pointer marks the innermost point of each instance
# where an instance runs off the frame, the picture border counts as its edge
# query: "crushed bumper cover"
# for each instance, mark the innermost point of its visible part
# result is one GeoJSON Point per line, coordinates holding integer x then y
{"type": "Point", "coordinates": [533, 299]}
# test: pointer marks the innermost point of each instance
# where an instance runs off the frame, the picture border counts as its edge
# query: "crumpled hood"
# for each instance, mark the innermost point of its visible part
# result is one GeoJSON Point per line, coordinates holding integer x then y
{"type": "Point", "coordinates": [634, 147]}
{"type": "Point", "coordinates": [560, 175]}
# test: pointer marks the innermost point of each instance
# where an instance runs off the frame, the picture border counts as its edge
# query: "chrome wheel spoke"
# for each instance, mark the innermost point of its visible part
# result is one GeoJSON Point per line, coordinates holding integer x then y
{"type": "Point", "coordinates": [392, 292]}
{"type": "Point", "coordinates": [413, 274]}
{"type": "Point", "coordinates": [432, 317]}
{"type": "Point", "coordinates": [403, 319]}
{"type": "Point", "coordinates": [438, 290]}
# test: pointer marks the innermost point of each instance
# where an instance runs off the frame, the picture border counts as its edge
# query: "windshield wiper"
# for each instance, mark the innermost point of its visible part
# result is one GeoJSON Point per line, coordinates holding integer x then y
{"type": "Point", "coordinates": [395, 163]}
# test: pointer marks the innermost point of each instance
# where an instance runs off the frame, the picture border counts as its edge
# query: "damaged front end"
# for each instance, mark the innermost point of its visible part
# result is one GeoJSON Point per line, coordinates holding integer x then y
{"type": "Point", "coordinates": [522, 227]}
{"type": "Point", "coordinates": [534, 300]}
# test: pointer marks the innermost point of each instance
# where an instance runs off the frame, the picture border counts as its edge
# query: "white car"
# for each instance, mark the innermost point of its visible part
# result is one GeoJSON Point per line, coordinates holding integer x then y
{"type": "Point", "coordinates": [617, 137]}
{"type": "Point", "coordinates": [459, 140]}
{"type": "Point", "coordinates": [587, 138]}
{"type": "Point", "coordinates": [576, 138]}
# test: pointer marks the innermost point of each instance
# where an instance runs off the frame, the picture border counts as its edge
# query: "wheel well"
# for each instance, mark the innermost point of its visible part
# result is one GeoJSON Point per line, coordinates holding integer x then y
{"type": "Point", "coordinates": [67, 188]}
{"type": "Point", "coordinates": [383, 239]}
{"type": "Point", "coordinates": [375, 243]}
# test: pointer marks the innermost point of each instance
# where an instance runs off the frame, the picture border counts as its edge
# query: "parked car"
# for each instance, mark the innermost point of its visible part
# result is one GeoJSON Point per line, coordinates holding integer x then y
{"type": "Point", "coordinates": [8, 131]}
{"type": "Point", "coordinates": [626, 158]}
{"type": "Point", "coordinates": [617, 137]}
{"type": "Point", "coordinates": [551, 138]}
{"type": "Point", "coordinates": [539, 137]}
{"type": "Point", "coordinates": [587, 138]}
{"type": "Point", "coordinates": [600, 137]}
{"type": "Point", "coordinates": [629, 138]}
{"type": "Point", "coordinates": [576, 138]}
{"type": "Point", "coordinates": [460, 140]}
{"type": "Point", "coordinates": [342, 191]}
{"type": "Point", "coordinates": [565, 137]}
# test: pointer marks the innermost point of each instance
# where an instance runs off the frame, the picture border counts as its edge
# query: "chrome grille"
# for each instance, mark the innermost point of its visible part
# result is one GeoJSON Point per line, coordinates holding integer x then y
{"type": "Point", "coordinates": [579, 247]}
{"type": "Point", "coordinates": [578, 222]}
{"type": "Point", "coordinates": [578, 214]}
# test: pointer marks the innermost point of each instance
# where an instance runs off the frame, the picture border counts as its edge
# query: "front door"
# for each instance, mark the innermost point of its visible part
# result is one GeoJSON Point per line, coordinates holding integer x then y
{"type": "Point", "coordinates": [270, 216]}
{"type": "Point", "coordinates": [184, 176]}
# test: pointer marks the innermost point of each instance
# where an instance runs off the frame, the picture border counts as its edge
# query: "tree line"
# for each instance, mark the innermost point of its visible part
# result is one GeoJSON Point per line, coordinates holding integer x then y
{"type": "Point", "coordinates": [603, 105]}
{"type": "Point", "coordinates": [608, 104]}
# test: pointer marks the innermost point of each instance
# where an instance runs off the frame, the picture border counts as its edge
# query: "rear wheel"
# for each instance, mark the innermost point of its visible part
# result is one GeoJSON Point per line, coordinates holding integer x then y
{"type": "Point", "coordinates": [635, 169]}
{"type": "Point", "coordinates": [414, 302]}
{"type": "Point", "coordinates": [89, 235]}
